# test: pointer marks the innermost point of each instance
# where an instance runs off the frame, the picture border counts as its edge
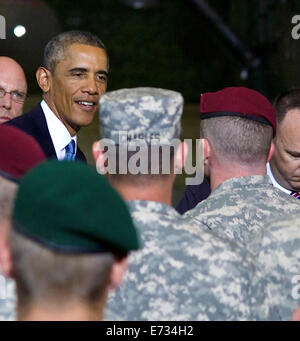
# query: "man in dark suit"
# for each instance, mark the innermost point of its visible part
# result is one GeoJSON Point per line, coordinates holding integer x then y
{"type": "Point", "coordinates": [193, 194]}
{"type": "Point", "coordinates": [73, 78]}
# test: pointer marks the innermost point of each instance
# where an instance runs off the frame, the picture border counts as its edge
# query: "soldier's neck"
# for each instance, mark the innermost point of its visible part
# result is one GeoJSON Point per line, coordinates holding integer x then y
{"type": "Point", "coordinates": [219, 175]}
{"type": "Point", "coordinates": [158, 193]}
{"type": "Point", "coordinates": [69, 313]}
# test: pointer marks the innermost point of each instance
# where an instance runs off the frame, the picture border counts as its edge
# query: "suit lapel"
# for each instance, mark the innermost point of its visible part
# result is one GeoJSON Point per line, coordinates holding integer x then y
{"type": "Point", "coordinates": [34, 123]}
{"type": "Point", "coordinates": [42, 132]}
{"type": "Point", "coordinates": [47, 141]}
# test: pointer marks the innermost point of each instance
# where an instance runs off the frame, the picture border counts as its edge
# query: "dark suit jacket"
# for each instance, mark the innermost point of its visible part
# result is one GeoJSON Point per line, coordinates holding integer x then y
{"type": "Point", "coordinates": [34, 123]}
{"type": "Point", "coordinates": [193, 194]}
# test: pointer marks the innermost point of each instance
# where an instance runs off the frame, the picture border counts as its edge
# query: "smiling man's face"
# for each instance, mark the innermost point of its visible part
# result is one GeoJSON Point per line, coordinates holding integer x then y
{"type": "Point", "coordinates": [77, 84]}
{"type": "Point", "coordinates": [285, 162]}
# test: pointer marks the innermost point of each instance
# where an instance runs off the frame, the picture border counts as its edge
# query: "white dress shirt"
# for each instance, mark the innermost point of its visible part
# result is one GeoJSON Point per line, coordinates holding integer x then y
{"type": "Point", "coordinates": [58, 132]}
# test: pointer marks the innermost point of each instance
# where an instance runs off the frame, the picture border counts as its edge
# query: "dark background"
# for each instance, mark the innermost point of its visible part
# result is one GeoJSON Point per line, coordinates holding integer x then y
{"type": "Point", "coordinates": [170, 43]}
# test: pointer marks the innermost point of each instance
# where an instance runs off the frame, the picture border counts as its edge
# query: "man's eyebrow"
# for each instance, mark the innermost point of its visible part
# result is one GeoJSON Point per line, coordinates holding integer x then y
{"type": "Point", "coordinates": [82, 69]}
{"type": "Point", "coordinates": [21, 92]}
{"type": "Point", "coordinates": [78, 69]}
{"type": "Point", "coordinates": [102, 72]}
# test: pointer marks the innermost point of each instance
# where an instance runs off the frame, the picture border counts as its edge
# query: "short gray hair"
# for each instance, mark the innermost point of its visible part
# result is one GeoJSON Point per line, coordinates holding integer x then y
{"type": "Point", "coordinates": [51, 278]}
{"type": "Point", "coordinates": [238, 138]}
{"type": "Point", "coordinates": [55, 49]}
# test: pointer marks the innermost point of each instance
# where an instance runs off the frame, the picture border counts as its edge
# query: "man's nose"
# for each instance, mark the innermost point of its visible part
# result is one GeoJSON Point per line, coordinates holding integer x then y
{"type": "Point", "coordinates": [91, 86]}
{"type": "Point", "coordinates": [6, 101]}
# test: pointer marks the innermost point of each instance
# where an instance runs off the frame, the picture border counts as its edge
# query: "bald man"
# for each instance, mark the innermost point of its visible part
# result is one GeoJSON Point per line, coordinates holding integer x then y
{"type": "Point", "coordinates": [13, 89]}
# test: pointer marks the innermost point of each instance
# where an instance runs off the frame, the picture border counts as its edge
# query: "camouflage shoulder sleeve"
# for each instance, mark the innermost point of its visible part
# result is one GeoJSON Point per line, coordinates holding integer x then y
{"type": "Point", "coordinates": [279, 260]}
{"type": "Point", "coordinates": [186, 276]}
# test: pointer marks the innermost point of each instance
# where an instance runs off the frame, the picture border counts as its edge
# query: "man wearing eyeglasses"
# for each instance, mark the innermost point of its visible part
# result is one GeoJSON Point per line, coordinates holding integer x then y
{"type": "Point", "coordinates": [13, 89]}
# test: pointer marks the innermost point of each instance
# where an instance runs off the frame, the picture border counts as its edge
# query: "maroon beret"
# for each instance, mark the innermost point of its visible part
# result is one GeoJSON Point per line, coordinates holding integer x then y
{"type": "Point", "coordinates": [19, 153]}
{"type": "Point", "coordinates": [238, 101]}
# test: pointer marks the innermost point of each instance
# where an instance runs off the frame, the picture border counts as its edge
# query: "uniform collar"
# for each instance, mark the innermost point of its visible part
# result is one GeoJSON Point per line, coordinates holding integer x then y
{"type": "Point", "coordinates": [148, 206]}
{"type": "Point", "coordinates": [244, 181]}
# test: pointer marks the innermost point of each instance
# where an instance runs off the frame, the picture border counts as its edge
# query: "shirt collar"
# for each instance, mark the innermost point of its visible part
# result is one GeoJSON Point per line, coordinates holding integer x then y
{"type": "Point", "coordinates": [59, 133]}
{"type": "Point", "coordinates": [274, 181]}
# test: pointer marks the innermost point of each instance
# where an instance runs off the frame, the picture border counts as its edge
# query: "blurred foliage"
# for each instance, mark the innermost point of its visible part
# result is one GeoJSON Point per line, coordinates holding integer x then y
{"type": "Point", "coordinates": [174, 46]}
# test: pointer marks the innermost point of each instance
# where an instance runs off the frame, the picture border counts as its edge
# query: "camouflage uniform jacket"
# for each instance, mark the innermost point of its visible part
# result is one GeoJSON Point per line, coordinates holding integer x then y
{"type": "Point", "coordinates": [7, 299]}
{"type": "Point", "coordinates": [240, 207]}
{"type": "Point", "coordinates": [182, 275]}
{"type": "Point", "coordinates": [279, 262]}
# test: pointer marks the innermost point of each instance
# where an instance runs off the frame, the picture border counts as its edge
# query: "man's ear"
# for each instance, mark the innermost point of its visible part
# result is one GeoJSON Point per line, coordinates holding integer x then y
{"type": "Point", "coordinates": [96, 150]}
{"type": "Point", "coordinates": [271, 152]}
{"type": "Point", "coordinates": [99, 157]}
{"type": "Point", "coordinates": [117, 273]}
{"type": "Point", "coordinates": [181, 155]}
{"type": "Point", "coordinates": [206, 152]}
{"type": "Point", "coordinates": [44, 78]}
{"type": "Point", "coordinates": [5, 255]}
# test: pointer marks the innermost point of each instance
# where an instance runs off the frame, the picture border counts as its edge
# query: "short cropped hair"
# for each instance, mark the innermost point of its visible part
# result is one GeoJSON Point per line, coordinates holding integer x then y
{"type": "Point", "coordinates": [286, 101]}
{"type": "Point", "coordinates": [8, 191]}
{"type": "Point", "coordinates": [238, 138]}
{"type": "Point", "coordinates": [159, 164]}
{"type": "Point", "coordinates": [52, 278]}
{"type": "Point", "coordinates": [55, 49]}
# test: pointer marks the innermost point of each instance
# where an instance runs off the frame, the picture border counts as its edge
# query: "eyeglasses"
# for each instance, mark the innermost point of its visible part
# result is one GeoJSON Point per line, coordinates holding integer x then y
{"type": "Point", "coordinates": [16, 96]}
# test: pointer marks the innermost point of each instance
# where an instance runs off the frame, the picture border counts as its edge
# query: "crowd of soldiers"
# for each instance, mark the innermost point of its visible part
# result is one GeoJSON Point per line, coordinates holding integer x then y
{"type": "Point", "coordinates": [81, 242]}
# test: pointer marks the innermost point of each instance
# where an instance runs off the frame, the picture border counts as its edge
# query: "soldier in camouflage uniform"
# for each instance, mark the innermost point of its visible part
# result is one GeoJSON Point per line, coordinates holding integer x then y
{"type": "Point", "coordinates": [238, 208]}
{"type": "Point", "coordinates": [67, 254]}
{"type": "Point", "coordinates": [179, 274]}
{"type": "Point", "coordinates": [279, 262]}
{"type": "Point", "coordinates": [18, 153]}
{"type": "Point", "coordinates": [237, 126]}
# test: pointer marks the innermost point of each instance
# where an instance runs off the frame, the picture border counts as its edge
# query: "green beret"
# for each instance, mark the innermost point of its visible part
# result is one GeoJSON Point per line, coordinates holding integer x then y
{"type": "Point", "coordinates": [69, 207]}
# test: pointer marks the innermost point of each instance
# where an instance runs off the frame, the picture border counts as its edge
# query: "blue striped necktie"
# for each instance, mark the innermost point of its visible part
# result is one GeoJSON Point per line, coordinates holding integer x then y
{"type": "Point", "coordinates": [70, 151]}
{"type": "Point", "coordinates": [295, 194]}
